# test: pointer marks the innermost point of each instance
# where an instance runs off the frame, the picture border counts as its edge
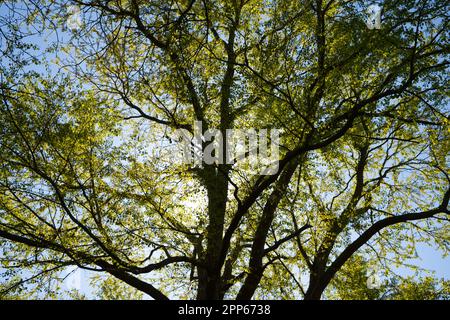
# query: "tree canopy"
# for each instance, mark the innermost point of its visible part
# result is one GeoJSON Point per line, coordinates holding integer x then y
{"type": "Point", "coordinates": [88, 170]}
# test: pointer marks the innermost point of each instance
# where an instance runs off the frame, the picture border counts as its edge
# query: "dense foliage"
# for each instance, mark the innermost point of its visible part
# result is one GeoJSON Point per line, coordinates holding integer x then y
{"type": "Point", "coordinates": [87, 171]}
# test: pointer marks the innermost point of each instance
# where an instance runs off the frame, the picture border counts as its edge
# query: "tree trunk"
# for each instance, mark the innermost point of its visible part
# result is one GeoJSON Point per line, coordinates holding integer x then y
{"type": "Point", "coordinates": [209, 281]}
{"type": "Point", "coordinates": [316, 286]}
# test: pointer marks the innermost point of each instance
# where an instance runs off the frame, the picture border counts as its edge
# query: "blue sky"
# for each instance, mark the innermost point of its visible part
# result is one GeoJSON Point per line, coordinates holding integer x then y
{"type": "Point", "coordinates": [430, 258]}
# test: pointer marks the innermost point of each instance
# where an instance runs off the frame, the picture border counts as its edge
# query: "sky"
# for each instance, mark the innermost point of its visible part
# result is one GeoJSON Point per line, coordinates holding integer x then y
{"type": "Point", "coordinates": [431, 259]}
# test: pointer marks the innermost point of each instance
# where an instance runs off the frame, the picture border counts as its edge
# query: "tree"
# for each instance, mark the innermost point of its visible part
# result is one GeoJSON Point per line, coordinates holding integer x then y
{"type": "Point", "coordinates": [87, 174]}
{"type": "Point", "coordinates": [351, 284]}
{"type": "Point", "coordinates": [426, 289]}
